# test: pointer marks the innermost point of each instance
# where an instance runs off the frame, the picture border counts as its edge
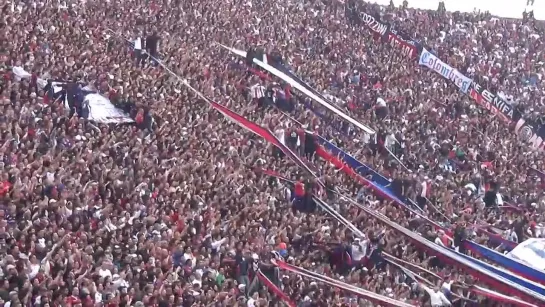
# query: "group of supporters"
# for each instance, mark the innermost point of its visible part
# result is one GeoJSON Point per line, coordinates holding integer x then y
{"type": "Point", "coordinates": [185, 208]}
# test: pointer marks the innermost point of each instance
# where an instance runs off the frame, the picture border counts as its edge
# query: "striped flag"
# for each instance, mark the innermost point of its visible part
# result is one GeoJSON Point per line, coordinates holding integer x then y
{"type": "Point", "coordinates": [257, 91]}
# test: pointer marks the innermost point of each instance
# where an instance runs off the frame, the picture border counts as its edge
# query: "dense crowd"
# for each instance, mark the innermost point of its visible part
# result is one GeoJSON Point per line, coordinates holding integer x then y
{"type": "Point", "coordinates": [175, 210]}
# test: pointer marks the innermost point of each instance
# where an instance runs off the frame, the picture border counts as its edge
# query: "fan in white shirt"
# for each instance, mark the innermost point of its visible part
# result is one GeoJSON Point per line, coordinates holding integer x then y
{"type": "Point", "coordinates": [253, 300]}
{"type": "Point", "coordinates": [447, 286]}
{"type": "Point", "coordinates": [280, 134]}
{"type": "Point", "coordinates": [390, 140]}
{"type": "Point", "coordinates": [34, 266]}
{"type": "Point", "coordinates": [438, 241]}
{"type": "Point", "coordinates": [381, 103]}
{"type": "Point", "coordinates": [424, 185]}
{"type": "Point", "coordinates": [189, 256]}
{"type": "Point", "coordinates": [104, 271]}
{"type": "Point", "coordinates": [138, 43]}
{"type": "Point", "coordinates": [119, 281]}
{"type": "Point", "coordinates": [217, 244]}
{"type": "Point", "coordinates": [437, 298]}
{"type": "Point", "coordinates": [511, 235]}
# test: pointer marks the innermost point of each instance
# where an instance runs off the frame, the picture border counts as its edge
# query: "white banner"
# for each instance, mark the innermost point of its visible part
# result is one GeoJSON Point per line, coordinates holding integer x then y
{"type": "Point", "coordinates": [21, 73]}
{"type": "Point", "coordinates": [102, 110]}
{"type": "Point", "coordinates": [434, 63]}
{"type": "Point", "coordinates": [530, 252]}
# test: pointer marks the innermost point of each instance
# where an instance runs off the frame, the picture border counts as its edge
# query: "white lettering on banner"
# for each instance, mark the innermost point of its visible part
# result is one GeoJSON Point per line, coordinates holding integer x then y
{"type": "Point", "coordinates": [372, 23]}
{"type": "Point", "coordinates": [406, 48]}
{"type": "Point", "coordinates": [487, 105]}
{"type": "Point", "coordinates": [429, 60]}
{"type": "Point", "coordinates": [501, 105]}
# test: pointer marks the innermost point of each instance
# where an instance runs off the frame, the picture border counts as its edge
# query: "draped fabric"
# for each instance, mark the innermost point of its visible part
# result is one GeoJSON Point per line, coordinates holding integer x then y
{"type": "Point", "coordinates": [486, 273]}
{"type": "Point", "coordinates": [371, 296]}
{"type": "Point", "coordinates": [274, 289]}
{"type": "Point", "coordinates": [498, 297]}
{"type": "Point", "coordinates": [514, 266]}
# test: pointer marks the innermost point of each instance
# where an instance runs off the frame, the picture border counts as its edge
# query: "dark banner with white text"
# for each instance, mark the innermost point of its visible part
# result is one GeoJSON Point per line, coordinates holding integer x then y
{"type": "Point", "coordinates": [527, 131]}
{"type": "Point", "coordinates": [383, 30]}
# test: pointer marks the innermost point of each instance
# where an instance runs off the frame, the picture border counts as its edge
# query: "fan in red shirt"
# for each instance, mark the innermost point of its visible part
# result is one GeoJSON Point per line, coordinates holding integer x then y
{"type": "Point", "coordinates": [299, 190]}
{"type": "Point", "coordinates": [5, 186]}
{"type": "Point", "coordinates": [299, 195]}
{"type": "Point", "coordinates": [140, 117]}
{"type": "Point", "coordinates": [88, 302]}
{"type": "Point", "coordinates": [74, 298]}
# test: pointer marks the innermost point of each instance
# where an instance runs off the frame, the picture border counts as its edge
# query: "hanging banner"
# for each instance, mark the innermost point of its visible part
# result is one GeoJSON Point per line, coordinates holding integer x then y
{"type": "Point", "coordinates": [408, 47]}
{"type": "Point", "coordinates": [527, 132]}
{"type": "Point", "coordinates": [274, 289]}
{"type": "Point", "coordinates": [493, 103]}
{"type": "Point", "coordinates": [429, 60]}
{"type": "Point", "coordinates": [374, 24]}
{"type": "Point", "coordinates": [530, 252]}
{"type": "Point", "coordinates": [366, 294]}
{"type": "Point", "coordinates": [95, 106]}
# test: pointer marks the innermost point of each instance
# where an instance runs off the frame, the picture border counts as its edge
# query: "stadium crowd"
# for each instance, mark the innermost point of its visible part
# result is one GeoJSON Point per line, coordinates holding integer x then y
{"type": "Point", "coordinates": [176, 210]}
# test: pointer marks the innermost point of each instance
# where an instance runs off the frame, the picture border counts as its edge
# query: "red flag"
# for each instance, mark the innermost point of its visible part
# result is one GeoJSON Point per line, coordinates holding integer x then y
{"type": "Point", "coordinates": [46, 98]}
